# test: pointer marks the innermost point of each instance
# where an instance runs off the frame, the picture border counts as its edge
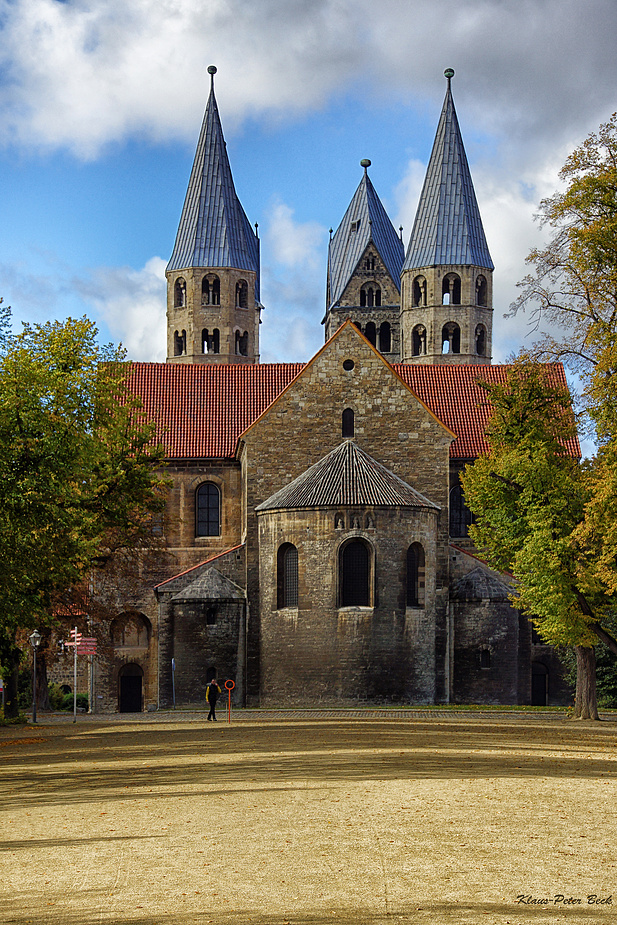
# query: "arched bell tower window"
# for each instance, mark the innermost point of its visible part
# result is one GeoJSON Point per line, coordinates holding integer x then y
{"type": "Point", "coordinates": [180, 293]}
{"type": "Point", "coordinates": [355, 574]}
{"type": "Point", "coordinates": [369, 263]}
{"type": "Point", "coordinates": [419, 291]}
{"type": "Point", "coordinates": [451, 338]}
{"type": "Point", "coordinates": [208, 510]}
{"type": "Point", "coordinates": [481, 340]}
{"type": "Point", "coordinates": [242, 344]}
{"type": "Point", "coordinates": [287, 576]}
{"type": "Point", "coordinates": [210, 341]}
{"type": "Point", "coordinates": [242, 294]}
{"type": "Point", "coordinates": [179, 343]}
{"type": "Point", "coordinates": [481, 290]}
{"type": "Point", "coordinates": [211, 290]}
{"type": "Point", "coordinates": [348, 423]}
{"type": "Point", "coordinates": [370, 332]}
{"type": "Point", "coordinates": [370, 296]}
{"type": "Point", "coordinates": [385, 337]}
{"type": "Point", "coordinates": [451, 289]}
{"type": "Point", "coordinates": [415, 576]}
{"type": "Point", "coordinates": [419, 341]}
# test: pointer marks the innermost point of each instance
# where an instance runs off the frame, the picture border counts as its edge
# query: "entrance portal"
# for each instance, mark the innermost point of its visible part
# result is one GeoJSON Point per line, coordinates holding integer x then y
{"type": "Point", "coordinates": [539, 685]}
{"type": "Point", "coordinates": [130, 693]}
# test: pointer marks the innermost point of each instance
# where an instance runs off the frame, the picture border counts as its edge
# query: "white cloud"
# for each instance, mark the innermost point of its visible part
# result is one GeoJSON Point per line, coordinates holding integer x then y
{"type": "Point", "coordinates": [83, 73]}
{"type": "Point", "coordinates": [132, 305]}
{"type": "Point", "coordinates": [293, 287]}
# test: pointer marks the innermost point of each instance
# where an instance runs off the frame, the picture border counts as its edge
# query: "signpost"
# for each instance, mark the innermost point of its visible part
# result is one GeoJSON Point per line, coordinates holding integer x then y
{"type": "Point", "coordinates": [82, 645]}
{"type": "Point", "coordinates": [229, 686]}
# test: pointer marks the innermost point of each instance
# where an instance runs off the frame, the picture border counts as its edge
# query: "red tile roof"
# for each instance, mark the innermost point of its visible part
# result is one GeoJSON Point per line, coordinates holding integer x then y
{"type": "Point", "coordinates": [200, 411]}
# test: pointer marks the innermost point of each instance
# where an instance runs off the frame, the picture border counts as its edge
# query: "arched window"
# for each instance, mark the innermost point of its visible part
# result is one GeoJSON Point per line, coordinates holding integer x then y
{"type": "Point", "coordinates": [242, 294]}
{"type": "Point", "coordinates": [215, 291]}
{"type": "Point", "coordinates": [481, 290]}
{"type": "Point", "coordinates": [210, 341]}
{"type": "Point", "coordinates": [378, 297]}
{"type": "Point", "coordinates": [179, 343]}
{"type": "Point", "coordinates": [369, 263]}
{"type": "Point", "coordinates": [287, 576]}
{"type": "Point", "coordinates": [208, 510]}
{"type": "Point", "coordinates": [370, 332]}
{"type": "Point", "coordinates": [419, 291]}
{"type": "Point", "coordinates": [451, 290]}
{"type": "Point", "coordinates": [348, 423]}
{"type": "Point", "coordinates": [180, 293]}
{"type": "Point", "coordinates": [481, 340]}
{"type": "Point", "coordinates": [370, 295]}
{"type": "Point", "coordinates": [451, 338]}
{"type": "Point", "coordinates": [242, 344]}
{"type": "Point", "coordinates": [419, 341]}
{"type": "Point", "coordinates": [415, 576]}
{"type": "Point", "coordinates": [385, 337]}
{"type": "Point", "coordinates": [485, 658]}
{"type": "Point", "coordinates": [130, 630]}
{"type": "Point", "coordinates": [460, 516]}
{"type": "Point", "coordinates": [357, 325]}
{"type": "Point", "coordinates": [354, 575]}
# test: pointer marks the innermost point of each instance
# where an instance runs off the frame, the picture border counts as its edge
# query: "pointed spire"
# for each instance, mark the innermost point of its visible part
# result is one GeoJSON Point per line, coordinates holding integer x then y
{"type": "Point", "coordinates": [365, 221]}
{"type": "Point", "coordinates": [448, 228]}
{"type": "Point", "coordinates": [214, 230]}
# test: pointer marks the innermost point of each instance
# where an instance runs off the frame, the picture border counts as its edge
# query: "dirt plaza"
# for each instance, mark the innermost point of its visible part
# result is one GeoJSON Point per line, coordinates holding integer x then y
{"type": "Point", "coordinates": [309, 819]}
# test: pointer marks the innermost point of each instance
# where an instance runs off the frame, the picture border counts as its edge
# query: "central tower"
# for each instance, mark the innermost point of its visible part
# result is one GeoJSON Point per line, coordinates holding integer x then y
{"type": "Point", "coordinates": [213, 307]}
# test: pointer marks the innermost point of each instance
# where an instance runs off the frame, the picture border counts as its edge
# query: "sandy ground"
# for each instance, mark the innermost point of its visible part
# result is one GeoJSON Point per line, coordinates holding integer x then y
{"type": "Point", "coordinates": [309, 821]}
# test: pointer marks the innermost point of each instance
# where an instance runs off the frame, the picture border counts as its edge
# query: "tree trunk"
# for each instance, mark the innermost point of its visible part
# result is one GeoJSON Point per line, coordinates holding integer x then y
{"type": "Point", "coordinates": [42, 687]}
{"type": "Point", "coordinates": [11, 691]}
{"type": "Point", "coordinates": [586, 704]}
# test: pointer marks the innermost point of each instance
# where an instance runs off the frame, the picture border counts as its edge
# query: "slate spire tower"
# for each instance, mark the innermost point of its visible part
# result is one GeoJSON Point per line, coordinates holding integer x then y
{"type": "Point", "coordinates": [213, 306]}
{"type": "Point", "coordinates": [365, 258]}
{"type": "Point", "coordinates": [447, 277]}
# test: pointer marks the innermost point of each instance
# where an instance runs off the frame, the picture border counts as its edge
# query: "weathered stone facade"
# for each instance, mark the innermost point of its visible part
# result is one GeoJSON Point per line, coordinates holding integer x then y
{"type": "Point", "coordinates": [306, 554]}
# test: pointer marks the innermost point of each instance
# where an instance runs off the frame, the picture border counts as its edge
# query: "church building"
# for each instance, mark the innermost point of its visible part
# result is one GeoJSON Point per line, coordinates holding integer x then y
{"type": "Point", "coordinates": [314, 549]}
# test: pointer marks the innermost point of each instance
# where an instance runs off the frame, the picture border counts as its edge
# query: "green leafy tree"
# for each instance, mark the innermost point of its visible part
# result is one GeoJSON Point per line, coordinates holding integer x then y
{"type": "Point", "coordinates": [529, 497]}
{"type": "Point", "coordinates": [78, 472]}
{"type": "Point", "coordinates": [572, 290]}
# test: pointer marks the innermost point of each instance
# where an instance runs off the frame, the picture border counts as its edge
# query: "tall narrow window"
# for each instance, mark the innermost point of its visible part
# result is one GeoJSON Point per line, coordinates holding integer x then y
{"type": "Point", "coordinates": [419, 291]}
{"type": "Point", "coordinates": [242, 294]}
{"type": "Point", "coordinates": [348, 422]}
{"type": "Point", "coordinates": [419, 340]}
{"type": "Point", "coordinates": [480, 340]}
{"type": "Point", "coordinates": [451, 338]}
{"type": "Point", "coordinates": [354, 575]}
{"type": "Point", "coordinates": [287, 576]}
{"type": "Point", "coordinates": [460, 516]}
{"type": "Point", "coordinates": [180, 293]}
{"type": "Point", "coordinates": [451, 290]}
{"type": "Point", "coordinates": [415, 576]}
{"type": "Point", "coordinates": [208, 510]}
{"type": "Point", "coordinates": [385, 337]}
{"type": "Point", "coordinates": [370, 332]}
{"type": "Point", "coordinates": [481, 290]}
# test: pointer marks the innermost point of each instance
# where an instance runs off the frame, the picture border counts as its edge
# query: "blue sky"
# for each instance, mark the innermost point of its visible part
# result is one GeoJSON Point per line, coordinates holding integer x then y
{"type": "Point", "coordinates": [101, 103]}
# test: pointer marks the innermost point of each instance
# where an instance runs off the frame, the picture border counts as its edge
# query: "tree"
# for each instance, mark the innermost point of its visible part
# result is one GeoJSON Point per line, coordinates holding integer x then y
{"type": "Point", "coordinates": [78, 471]}
{"type": "Point", "coordinates": [573, 288]}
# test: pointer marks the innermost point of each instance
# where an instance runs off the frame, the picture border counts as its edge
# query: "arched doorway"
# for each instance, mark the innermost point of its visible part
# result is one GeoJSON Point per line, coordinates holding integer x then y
{"type": "Point", "coordinates": [130, 689]}
{"type": "Point", "coordinates": [539, 685]}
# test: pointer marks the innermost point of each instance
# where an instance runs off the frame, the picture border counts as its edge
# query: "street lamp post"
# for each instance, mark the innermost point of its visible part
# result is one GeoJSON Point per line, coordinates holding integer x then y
{"type": "Point", "coordinates": [35, 641]}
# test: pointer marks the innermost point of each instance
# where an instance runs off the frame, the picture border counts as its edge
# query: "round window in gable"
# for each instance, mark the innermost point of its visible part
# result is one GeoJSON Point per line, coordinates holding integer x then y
{"type": "Point", "coordinates": [348, 365]}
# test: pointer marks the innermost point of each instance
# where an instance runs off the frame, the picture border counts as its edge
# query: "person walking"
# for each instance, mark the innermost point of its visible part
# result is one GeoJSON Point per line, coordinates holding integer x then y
{"type": "Point", "coordinates": [212, 694]}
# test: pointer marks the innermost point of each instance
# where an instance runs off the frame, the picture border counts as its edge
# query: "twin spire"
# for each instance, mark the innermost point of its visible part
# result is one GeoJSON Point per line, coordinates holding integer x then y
{"type": "Point", "coordinates": [214, 230]}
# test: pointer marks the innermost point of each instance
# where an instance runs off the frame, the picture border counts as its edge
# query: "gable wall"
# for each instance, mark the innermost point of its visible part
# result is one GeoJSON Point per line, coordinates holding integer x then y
{"type": "Point", "coordinates": [304, 424]}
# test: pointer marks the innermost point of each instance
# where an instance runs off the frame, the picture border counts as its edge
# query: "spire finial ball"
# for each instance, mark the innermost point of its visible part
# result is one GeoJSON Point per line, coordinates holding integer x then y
{"type": "Point", "coordinates": [365, 162]}
{"type": "Point", "coordinates": [212, 70]}
{"type": "Point", "coordinates": [449, 73]}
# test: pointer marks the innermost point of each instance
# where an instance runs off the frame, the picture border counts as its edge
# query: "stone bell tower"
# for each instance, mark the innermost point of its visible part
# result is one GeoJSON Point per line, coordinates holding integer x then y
{"type": "Point", "coordinates": [213, 307]}
{"type": "Point", "coordinates": [447, 277]}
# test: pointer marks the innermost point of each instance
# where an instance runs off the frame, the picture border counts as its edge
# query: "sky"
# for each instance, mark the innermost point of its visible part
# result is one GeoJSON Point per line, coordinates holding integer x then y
{"type": "Point", "coordinates": [101, 102]}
